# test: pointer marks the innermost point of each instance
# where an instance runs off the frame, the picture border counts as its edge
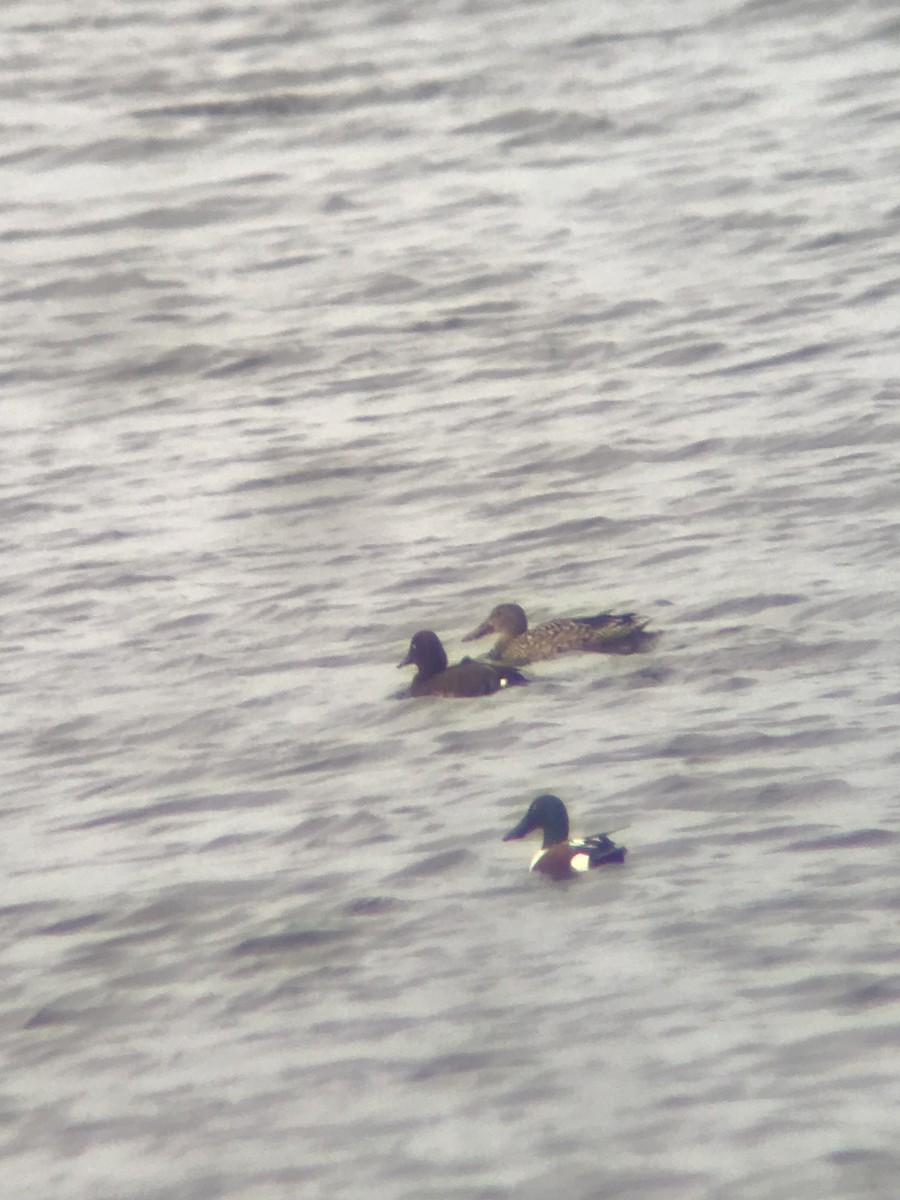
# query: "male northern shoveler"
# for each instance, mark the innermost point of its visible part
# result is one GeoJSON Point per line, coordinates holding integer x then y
{"type": "Point", "coordinates": [466, 678]}
{"type": "Point", "coordinates": [606, 633]}
{"type": "Point", "coordinates": [559, 857]}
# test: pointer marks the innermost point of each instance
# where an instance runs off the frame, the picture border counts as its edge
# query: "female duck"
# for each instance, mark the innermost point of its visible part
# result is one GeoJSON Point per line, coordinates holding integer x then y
{"type": "Point", "coordinates": [466, 678]}
{"type": "Point", "coordinates": [561, 857]}
{"type": "Point", "coordinates": [606, 633]}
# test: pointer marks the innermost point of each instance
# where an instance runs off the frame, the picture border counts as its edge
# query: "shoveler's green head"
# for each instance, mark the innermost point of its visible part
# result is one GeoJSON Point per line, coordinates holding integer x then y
{"type": "Point", "coordinates": [506, 619]}
{"type": "Point", "coordinates": [548, 813]}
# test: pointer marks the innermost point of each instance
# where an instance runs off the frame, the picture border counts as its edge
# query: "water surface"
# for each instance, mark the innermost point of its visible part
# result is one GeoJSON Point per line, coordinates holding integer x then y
{"type": "Point", "coordinates": [327, 323]}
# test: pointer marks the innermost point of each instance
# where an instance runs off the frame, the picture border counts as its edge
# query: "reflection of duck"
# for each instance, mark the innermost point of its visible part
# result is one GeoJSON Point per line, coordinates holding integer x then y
{"type": "Point", "coordinates": [466, 678]}
{"type": "Point", "coordinates": [607, 633]}
{"type": "Point", "coordinates": [560, 857]}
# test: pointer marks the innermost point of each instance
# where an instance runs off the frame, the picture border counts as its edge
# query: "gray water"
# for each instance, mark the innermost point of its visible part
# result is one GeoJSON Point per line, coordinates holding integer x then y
{"type": "Point", "coordinates": [323, 323]}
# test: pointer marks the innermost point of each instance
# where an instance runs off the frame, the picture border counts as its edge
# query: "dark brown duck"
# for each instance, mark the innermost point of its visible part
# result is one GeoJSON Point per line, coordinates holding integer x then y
{"type": "Point", "coordinates": [606, 633]}
{"type": "Point", "coordinates": [466, 678]}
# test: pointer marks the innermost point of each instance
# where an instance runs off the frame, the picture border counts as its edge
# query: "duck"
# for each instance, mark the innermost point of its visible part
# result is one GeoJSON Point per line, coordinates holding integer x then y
{"type": "Point", "coordinates": [559, 856]}
{"type": "Point", "coordinates": [605, 633]}
{"type": "Point", "coordinates": [466, 678]}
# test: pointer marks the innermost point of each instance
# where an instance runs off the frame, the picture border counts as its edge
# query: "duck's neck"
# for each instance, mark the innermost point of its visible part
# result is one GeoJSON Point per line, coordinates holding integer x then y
{"type": "Point", "coordinates": [556, 831]}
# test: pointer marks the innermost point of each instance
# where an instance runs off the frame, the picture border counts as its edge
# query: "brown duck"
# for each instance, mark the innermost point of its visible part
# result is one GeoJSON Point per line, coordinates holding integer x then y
{"type": "Point", "coordinates": [606, 633]}
{"type": "Point", "coordinates": [466, 678]}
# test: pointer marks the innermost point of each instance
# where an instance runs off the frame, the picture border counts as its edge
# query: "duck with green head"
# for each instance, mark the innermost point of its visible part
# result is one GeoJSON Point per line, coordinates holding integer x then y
{"type": "Point", "coordinates": [561, 857]}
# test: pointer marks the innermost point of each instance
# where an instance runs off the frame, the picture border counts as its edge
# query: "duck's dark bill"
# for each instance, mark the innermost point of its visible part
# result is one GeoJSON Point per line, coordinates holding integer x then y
{"type": "Point", "coordinates": [520, 831]}
{"type": "Point", "coordinates": [487, 627]}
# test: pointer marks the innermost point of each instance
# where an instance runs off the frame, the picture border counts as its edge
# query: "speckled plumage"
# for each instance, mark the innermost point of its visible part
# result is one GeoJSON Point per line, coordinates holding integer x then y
{"type": "Point", "coordinates": [605, 633]}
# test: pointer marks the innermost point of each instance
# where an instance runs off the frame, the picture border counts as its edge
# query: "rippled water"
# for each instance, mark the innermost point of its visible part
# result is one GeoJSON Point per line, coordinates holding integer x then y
{"type": "Point", "coordinates": [326, 323]}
